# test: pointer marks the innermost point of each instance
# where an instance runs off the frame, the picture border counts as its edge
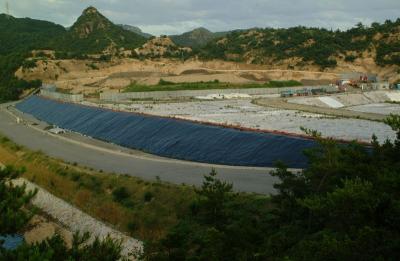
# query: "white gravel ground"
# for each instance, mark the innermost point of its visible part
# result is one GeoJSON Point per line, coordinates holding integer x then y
{"type": "Point", "coordinates": [242, 112]}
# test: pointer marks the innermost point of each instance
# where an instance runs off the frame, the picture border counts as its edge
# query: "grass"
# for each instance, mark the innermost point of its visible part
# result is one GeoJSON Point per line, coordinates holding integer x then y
{"type": "Point", "coordinates": [170, 86]}
{"type": "Point", "coordinates": [392, 102]}
{"type": "Point", "coordinates": [145, 210]}
{"type": "Point", "coordinates": [64, 91]}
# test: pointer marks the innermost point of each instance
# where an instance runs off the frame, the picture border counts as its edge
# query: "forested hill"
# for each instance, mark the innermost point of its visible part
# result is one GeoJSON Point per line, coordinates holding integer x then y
{"type": "Point", "coordinates": [24, 34]}
{"type": "Point", "coordinates": [92, 33]}
{"type": "Point", "coordinates": [301, 45]}
{"type": "Point", "coordinates": [18, 36]}
{"type": "Point", "coordinates": [295, 47]}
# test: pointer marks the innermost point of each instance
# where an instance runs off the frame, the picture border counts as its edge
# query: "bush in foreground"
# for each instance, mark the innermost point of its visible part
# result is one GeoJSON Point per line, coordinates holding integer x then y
{"type": "Point", "coordinates": [15, 213]}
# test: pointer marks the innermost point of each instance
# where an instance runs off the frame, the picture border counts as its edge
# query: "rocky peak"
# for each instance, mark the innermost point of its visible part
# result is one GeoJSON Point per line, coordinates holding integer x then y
{"type": "Point", "coordinates": [91, 20]}
{"type": "Point", "coordinates": [90, 10]}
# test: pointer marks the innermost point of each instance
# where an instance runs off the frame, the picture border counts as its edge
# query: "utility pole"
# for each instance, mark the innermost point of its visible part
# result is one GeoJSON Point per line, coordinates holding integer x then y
{"type": "Point", "coordinates": [7, 9]}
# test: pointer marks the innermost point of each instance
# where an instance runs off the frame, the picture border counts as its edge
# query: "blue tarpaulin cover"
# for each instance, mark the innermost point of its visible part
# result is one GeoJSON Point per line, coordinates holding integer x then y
{"type": "Point", "coordinates": [11, 242]}
{"type": "Point", "coordinates": [170, 137]}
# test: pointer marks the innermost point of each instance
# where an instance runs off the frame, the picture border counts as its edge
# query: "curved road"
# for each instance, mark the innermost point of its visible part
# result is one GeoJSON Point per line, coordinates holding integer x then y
{"type": "Point", "coordinates": [148, 167]}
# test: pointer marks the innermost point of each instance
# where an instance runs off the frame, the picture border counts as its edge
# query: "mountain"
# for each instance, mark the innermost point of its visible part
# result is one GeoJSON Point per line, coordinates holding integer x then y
{"type": "Point", "coordinates": [196, 38]}
{"type": "Point", "coordinates": [94, 33]}
{"type": "Point", "coordinates": [25, 34]}
{"type": "Point", "coordinates": [302, 46]}
{"type": "Point", "coordinates": [136, 30]}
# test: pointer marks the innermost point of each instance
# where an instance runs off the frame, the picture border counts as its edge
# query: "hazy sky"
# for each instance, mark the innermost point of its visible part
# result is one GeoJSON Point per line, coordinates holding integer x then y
{"type": "Point", "coordinates": [177, 16]}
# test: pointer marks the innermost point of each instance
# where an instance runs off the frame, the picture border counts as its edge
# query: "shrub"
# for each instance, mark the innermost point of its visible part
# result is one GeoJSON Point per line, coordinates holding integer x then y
{"type": "Point", "coordinates": [132, 226]}
{"type": "Point", "coordinates": [148, 196]}
{"type": "Point", "coordinates": [75, 176]}
{"type": "Point", "coordinates": [164, 82]}
{"type": "Point", "coordinates": [28, 64]}
{"type": "Point", "coordinates": [350, 58]}
{"type": "Point", "coordinates": [120, 194]}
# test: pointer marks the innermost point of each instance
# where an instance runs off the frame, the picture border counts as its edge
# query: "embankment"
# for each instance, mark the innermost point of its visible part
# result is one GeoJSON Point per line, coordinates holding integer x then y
{"type": "Point", "coordinates": [172, 138]}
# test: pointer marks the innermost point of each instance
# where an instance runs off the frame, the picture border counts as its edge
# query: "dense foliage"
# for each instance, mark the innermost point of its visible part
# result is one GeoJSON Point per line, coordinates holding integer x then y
{"type": "Point", "coordinates": [315, 45]}
{"type": "Point", "coordinates": [19, 35]}
{"type": "Point", "coordinates": [344, 206]}
{"type": "Point", "coordinates": [10, 86]}
{"type": "Point", "coordinates": [12, 200]}
{"type": "Point", "coordinates": [15, 214]}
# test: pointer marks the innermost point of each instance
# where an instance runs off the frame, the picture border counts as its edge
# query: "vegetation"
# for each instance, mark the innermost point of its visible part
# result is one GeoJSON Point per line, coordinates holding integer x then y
{"type": "Point", "coordinates": [13, 199]}
{"type": "Point", "coordinates": [21, 35]}
{"type": "Point", "coordinates": [10, 86]}
{"type": "Point", "coordinates": [279, 84]}
{"type": "Point", "coordinates": [15, 214]}
{"type": "Point", "coordinates": [18, 37]}
{"type": "Point", "coordinates": [145, 210]}
{"type": "Point", "coordinates": [311, 45]}
{"type": "Point", "coordinates": [95, 34]}
{"type": "Point", "coordinates": [164, 85]}
{"type": "Point", "coordinates": [344, 206]}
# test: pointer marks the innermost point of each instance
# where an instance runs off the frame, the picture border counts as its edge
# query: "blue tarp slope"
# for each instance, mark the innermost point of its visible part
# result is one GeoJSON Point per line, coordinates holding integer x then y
{"type": "Point", "coordinates": [172, 138]}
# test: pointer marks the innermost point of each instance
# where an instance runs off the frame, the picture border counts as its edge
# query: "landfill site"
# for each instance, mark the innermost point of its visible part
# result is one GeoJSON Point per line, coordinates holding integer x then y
{"type": "Point", "coordinates": [246, 113]}
{"type": "Point", "coordinates": [240, 126]}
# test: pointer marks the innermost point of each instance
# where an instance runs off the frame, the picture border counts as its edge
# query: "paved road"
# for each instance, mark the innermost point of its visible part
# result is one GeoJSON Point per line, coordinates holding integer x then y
{"type": "Point", "coordinates": [244, 179]}
{"type": "Point", "coordinates": [281, 104]}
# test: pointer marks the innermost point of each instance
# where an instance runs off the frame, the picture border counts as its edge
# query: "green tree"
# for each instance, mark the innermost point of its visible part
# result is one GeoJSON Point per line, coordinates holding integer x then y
{"type": "Point", "coordinates": [15, 213]}
{"type": "Point", "coordinates": [12, 201]}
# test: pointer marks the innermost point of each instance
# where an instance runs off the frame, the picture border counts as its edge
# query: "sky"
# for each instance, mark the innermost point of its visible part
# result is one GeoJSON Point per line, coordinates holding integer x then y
{"type": "Point", "coordinates": [177, 16]}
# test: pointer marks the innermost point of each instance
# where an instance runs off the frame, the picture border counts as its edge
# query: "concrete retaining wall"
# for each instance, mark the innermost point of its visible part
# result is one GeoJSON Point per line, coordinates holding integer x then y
{"type": "Point", "coordinates": [61, 96]}
{"type": "Point", "coordinates": [159, 95]}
